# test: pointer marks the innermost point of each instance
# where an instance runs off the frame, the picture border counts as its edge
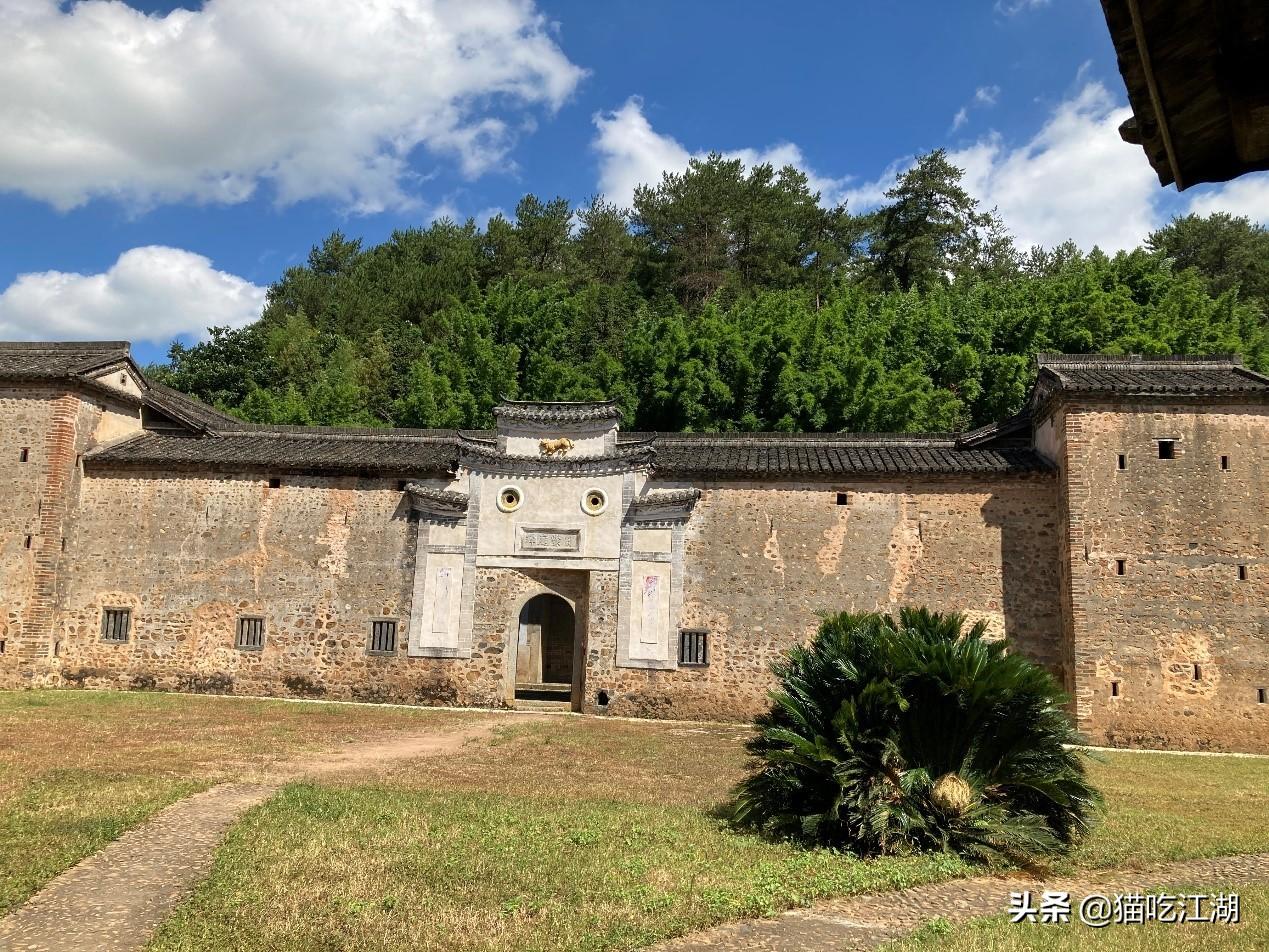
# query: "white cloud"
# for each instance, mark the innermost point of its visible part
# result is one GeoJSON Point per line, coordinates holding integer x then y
{"type": "Point", "coordinates": [152, 294]}
{"type": "Point", "coordinates": [320, 98]}
{"type": "Point", "coordinates": [1247, 196]}
{"type": "Point", "coordinates": [987, 95]}
{"type": "Point", "coordinates": [633, 153]}
{"type": "Point", "coordinates": [984, 98]}
{"type": "Point", "coordinates": [1076, 178]}
{"type": "Point", "coordinates": [1011, 7]}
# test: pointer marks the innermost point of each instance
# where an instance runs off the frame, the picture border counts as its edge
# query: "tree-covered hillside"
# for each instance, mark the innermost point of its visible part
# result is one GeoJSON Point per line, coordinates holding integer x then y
{"type": "Point", "coordinates": [726, 298]}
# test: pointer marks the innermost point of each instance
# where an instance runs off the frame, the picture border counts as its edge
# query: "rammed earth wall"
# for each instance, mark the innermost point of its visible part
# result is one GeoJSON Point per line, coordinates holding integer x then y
{"type": "Point", "coordinates": [1174, 652]}
{"type": "Point", "coordinates": [764, 562]}
{"type": "Point", "coordinates": [319, 558]}
{"type": "Point", "coordinates": [45, 429]}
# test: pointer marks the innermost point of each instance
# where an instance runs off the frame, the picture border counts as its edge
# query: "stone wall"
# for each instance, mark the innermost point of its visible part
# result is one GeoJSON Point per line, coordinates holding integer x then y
{"type": "Point", "coordinates": [1145, 588]}
{"type": "Point", "coordinates": [1173, 652]}
{"type": "Point", "coordinates": [45, 430]}
{"type": "Point", "coordinates": [319, 558]}
{"type": "Point", "coordinates": [764, 561]}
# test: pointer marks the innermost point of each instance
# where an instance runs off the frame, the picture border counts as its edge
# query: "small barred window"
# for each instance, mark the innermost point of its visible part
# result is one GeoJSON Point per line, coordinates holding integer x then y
{"type": "Point", "coordinates": [116, 624]}
{"type": "Point", "coordinates": [694, 647]}
{"type": "Point", "coordinates": [250, 634]}
{"type": "Point", "coordinates": [383, 637]}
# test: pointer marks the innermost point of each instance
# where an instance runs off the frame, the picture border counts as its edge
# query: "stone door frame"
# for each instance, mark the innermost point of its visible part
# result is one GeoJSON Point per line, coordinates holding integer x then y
{"type": "Point", "coordinates": [512, 636]}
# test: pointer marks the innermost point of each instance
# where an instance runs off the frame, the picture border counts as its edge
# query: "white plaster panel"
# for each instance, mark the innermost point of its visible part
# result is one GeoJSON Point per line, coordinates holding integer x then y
{"type": "Point", "coordinates": [434, 624]}
{"type": "Point", "coordinates": [552, 503]}
{"type": "Point", "coordinates": [650, 612]}
{"type": "Point", "coordinates": [120, 380]}
{"type": "Point", "coordinates": [116, 423]}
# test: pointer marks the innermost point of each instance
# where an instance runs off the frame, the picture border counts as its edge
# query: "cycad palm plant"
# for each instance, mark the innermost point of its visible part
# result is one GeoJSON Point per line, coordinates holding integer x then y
{"type": "Point", "coordinates": [893, 736]}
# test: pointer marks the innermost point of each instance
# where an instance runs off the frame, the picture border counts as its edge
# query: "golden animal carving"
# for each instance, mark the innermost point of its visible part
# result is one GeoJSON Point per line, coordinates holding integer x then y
{"type": "Point", "coordinates": [555, 447]}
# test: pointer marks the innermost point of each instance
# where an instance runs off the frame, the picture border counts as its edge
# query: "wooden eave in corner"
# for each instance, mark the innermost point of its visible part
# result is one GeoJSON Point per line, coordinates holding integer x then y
{"type": "Point", "coordinates": [1197, 83]}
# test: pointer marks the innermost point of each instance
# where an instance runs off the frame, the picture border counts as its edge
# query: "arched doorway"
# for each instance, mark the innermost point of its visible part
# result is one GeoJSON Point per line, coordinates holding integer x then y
{"type": "Point", "coordinates": [545, 646]}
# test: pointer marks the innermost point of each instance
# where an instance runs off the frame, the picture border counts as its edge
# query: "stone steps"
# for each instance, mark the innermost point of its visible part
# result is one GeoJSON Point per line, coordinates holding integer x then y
{"type": "Point", "coordinates": [531, 705]}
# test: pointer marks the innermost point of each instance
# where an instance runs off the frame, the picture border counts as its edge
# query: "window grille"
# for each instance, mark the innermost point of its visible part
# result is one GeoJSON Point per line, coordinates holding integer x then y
{"type": "Point", "coordinates": [383, 637]}
{"type": "Point", "coordinates": [116, 624]}
{"type": "Point", "coordinates": [694, 647]}
{"type": "Point", "coordinates": [250, 634]}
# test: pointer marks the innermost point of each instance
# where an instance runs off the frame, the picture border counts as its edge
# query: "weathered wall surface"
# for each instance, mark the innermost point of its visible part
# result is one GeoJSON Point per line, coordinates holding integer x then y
{"type": "Point", "coordinates": [1182, 527]}
{"type": "Point", "coordinates": [318, 558]}
{"type": "Point", "coordinates": [764, 561]}
{"type": "Point", "coordinates": [50, 426]}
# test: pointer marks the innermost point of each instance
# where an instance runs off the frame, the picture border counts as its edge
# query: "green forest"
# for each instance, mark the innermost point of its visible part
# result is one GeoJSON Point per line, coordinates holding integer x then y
{"type": "Point", "coordinates": [726, 298]}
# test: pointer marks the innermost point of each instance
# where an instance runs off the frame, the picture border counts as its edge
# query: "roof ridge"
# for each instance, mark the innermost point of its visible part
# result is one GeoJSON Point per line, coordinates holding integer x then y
{"type": "Point", "coordinates": [1057, 361]}
{"type": "Point", "coordinates": [358, 434]}
{"type": "Point", "coordinates": [769, 438]}
{"type": "Point", "coordinates": [507, 401]}
{"type": "Point", "coordinates": [65, 345]}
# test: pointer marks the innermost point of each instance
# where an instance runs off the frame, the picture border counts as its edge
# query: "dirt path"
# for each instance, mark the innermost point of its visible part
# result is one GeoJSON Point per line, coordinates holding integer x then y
{"type": "Point", "coordinates": [115, 899]}
{"type": "Point", "coordinates": [870, 921]}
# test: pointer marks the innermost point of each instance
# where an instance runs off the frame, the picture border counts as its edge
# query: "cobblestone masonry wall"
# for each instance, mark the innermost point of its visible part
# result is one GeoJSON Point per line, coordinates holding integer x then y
{"type": "Point", "coordinates": [45, 430]}
{"type": "Point", "coordinates": [318, 558]}
{"type": "Point", "coordinates": [1173, 653]}
{"type": "Point", "coordinates": [764, 561]}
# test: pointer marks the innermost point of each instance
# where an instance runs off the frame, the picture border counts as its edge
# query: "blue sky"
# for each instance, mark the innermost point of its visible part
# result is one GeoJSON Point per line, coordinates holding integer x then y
{"type": "Point", "coordinates": [160, 164]}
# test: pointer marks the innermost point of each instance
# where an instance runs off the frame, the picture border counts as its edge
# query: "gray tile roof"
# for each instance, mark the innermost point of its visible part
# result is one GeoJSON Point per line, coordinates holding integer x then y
{"type": "Point", "coordinates": [686, 456]}
{"type": "Point", "coordinates": [182, 405]}
{"type": "Point", "coordinates": [701, 456]}
{"type": "Point", "coordinates": [1136, 375]}
{"type": "Point", "coordinates": [40, 360]}
{"type": "Point", "coordinates": [322, 452]}
{"type": "Point", "coordinates": [531, 411]}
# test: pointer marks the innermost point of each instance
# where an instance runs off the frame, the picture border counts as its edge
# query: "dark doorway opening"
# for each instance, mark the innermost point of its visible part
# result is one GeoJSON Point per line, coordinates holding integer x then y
{"type": "Point", "coordinates": [545, 649]}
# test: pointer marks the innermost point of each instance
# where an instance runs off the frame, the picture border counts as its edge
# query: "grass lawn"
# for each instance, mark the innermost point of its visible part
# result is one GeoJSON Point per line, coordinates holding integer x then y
{"type": "Point", "coordinates": [1000, 935]}
{"type": "Point", "coordinates": [77, 768]}
{"type": "Point", "coordinates": [554, 833]}
{"type": "Point", "coordinates": [597, 835]}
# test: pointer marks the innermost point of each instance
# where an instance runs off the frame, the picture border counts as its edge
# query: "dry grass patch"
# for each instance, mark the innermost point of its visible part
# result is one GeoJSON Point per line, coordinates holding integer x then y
{"type": "Point", "coordinates": [1000, 935]}
{"type": "Point", "coordinates": [78, 768]}
{"type": "Point", "coordinates": [378, 868]}
{"type": "Point", "coordinates": [549, 833]}
{"type": "Point", "coordinates": [600, 835]}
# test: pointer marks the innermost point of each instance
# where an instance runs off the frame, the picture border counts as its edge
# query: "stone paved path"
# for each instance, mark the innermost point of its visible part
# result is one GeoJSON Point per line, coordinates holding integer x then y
{"type": "Point", "coordinates": [869, 921]}
{"type": "Point", "coordinates": [115, 899]}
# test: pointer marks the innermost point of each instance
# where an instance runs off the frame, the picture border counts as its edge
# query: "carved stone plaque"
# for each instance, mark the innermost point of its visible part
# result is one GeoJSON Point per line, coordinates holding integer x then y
{"type": "Point", "coordinates": [550, 540]}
